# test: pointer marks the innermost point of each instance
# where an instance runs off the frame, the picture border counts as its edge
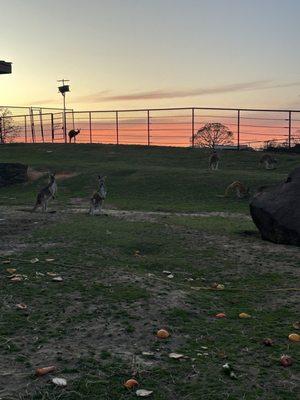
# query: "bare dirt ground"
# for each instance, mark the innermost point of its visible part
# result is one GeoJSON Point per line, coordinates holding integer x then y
{"type": "Point", "coordinates": [102, 330]}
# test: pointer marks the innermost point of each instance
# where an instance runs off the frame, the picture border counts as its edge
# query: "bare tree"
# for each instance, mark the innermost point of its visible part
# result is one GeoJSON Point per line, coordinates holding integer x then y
{"type": "Point", "coordinates": [8, 129]}
{"type": "Point", "coordinates": [213, 134]}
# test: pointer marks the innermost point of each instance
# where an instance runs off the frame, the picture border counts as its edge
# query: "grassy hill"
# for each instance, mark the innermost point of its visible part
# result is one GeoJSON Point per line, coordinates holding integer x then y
{"type": "Point", "coordinates": [134, 270]}
{"type": "Point", "coordinates": [142, 178]}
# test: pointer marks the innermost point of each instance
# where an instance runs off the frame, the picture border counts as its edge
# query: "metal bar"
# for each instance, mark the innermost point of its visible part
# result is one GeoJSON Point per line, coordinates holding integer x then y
{"type": "Point", "coordinates": [25, 125]}
{"type": "Point", "coordinates": [1, 131]}
{"type": "Point", "coordinates": [238, 129]}
{"type": "Point", "coordinates": [52, 128]}
{"type": "Point", "coordinates": [64, 118]}
{"type": "Point", "coordinates": [41, 124]}
{"type": "Point", "coordinates": [193, 127]}
{"type": "Point", "coordinates": [148, 127]}
{"type": "Point", "coordinates": [189, 108]}
{"type": "Point", "coordinates": [90, 124]}
{"type": "Point", "coordinates": [73, 120]}
{"type": "Point", "coordinates": [117, 126]}
{"type": "Point", "coordinates": [290, 129]}
{"type": "Point", "coordinates": [32, 125]}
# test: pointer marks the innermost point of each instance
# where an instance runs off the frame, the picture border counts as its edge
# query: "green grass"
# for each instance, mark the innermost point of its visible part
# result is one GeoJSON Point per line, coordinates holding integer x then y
{"type": "Point", "coordinates": [95, 324]}
{"type": "Point", "coordinates": [144, 178]}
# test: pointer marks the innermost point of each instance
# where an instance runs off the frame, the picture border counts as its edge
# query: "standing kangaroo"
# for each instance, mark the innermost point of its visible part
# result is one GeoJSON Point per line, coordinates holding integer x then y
{"type": "Point", "coordinates": [46, 194]}
{"type": "Point", "coordinates": [214, 161]}
{"type": "Point", "coordinates": [73, 133]}
{"type": "Point", "coordinates": [98, 197]}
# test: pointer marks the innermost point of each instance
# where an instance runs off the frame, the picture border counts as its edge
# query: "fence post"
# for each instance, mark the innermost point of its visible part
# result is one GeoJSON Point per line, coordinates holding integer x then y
{"type": "Point", "coordinates": [52, 128]}
{"type": "Point", "coordinates": [148, 126]}
{"type": "Point", "coordinates": [117, 126]}
{"type": "Point", "coordinates": [1, 135]}
{"type": "Point", "coordinates": [238, 129]}
{"type": "Point", "coordinates": [41, 124]}
{"type": "Point", "coordinates": [290, 129]}
{"type": "Point", "coordinates": [90, 126]}
{"type": "Point", "coordinates": [193, 127]}
{"type": "Point", "coordinates": [25, 125]}
{"type": "Point", "coordinates": [32, 125]}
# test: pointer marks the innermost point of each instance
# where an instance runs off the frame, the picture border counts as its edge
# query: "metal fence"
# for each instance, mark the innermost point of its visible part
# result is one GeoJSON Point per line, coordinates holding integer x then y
{"type": "Point", "coordinates": [157, 126]}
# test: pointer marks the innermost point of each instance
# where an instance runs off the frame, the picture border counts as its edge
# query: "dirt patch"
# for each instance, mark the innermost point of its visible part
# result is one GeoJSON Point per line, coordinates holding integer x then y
{"type": "Point", "coordinates": [34, 175]}
{"type": "Point", "coordinates": [65, 175]}
{"type": "Point", "coordinates": [154, 216]}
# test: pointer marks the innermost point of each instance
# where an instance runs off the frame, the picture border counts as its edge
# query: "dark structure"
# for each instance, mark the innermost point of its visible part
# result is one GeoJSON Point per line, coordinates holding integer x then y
{"type": "Point", "coordinates": [276, 211]}
{"type": "Point", "coordinates": [11, 173]}
{"type": "Point", "coordinates": [5, 67]}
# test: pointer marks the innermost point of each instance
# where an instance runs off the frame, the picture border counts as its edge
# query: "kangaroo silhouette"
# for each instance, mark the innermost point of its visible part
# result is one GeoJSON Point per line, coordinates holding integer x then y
{"type": "Point", "coordinates": [73, 133]}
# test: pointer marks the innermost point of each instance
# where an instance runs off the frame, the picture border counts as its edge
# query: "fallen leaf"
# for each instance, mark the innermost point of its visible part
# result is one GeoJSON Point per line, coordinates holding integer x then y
{"type": "Point", "coordinates": [286, 361]}
{"type": "Point", "coordinates": [57, 279]}
{"type": "Point", "coordinates": [294, 337]}
{"type": "Point", "coordinates": [16, 279]}
{"type": "Point", "coordinates": [143, 392]}
{"type": "Point", "coordinates": [34, 260]}
{"type": "Point", "coordinates": [11, 270]}
{"type": "Point", "coordinates": [220, 287]}
{"type": "Point", "coordinates": [21, 306]}
{"type": "Point", "coordinates": [268, 342]}
{"type": "Point", "coordinates": [296, 325]}
{"type": "Point", "coordinates": [220, 315]}
{"type": "Point", "coordinates": [50, 259]}
{"type": "Point", "coordinates": [244, 315]}
{"type": "Point", "coordinates": [51, 273]}
{"type": "Point", "coordinates": [130, 383]}
{"type": "Point", "coordinates": [44, 370]}
{"type": "Point", "coordinates": [176, 356]}
{"type": "Point", "coordinates": [59, 381]}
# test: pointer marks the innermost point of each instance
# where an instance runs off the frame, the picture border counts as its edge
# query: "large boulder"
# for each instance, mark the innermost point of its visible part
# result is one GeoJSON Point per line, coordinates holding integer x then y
{"type": "Point", "coordinates": [276, 211]}
{"type": "Point", "coordinates": [11, 173]}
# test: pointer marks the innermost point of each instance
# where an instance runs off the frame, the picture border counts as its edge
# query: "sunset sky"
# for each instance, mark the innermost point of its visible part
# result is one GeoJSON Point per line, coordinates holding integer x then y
{"type": "Point", "coordinates": [142, 53]}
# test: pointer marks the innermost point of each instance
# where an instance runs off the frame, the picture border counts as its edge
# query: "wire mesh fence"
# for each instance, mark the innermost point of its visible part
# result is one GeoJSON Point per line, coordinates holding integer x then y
{"type": "Point", "coordinates": [153, 127]}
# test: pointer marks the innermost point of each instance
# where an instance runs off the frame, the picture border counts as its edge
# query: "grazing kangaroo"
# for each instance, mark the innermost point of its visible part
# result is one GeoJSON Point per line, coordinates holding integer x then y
{"type": "Point", "coordinates": [268, 161]}
{"type": "Point", "coordinates": [73, 133]}
{"type": "Point", "coordinates": [98, 197]}
{"type": "Point", "coordinates": [214, 161]}
{"type": "Point", "coordinates": [241, 190]}
{"type": "Point", "coordinates": [46, 194]}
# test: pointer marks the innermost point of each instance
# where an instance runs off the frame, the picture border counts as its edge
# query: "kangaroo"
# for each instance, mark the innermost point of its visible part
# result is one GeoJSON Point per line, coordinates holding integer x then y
{"type": "Point", "coordinates": [46, 194]}
{"type": "Point", "coordinates": [98, 196]}
{"type": "Point", "coordinates": [214, 161]}
{"type": "Point", "coordinates": [241, 190]}
{"type": "Point", "coordinates": [268, 161]}
{"type": "Point", "coordinates": [73, 133]}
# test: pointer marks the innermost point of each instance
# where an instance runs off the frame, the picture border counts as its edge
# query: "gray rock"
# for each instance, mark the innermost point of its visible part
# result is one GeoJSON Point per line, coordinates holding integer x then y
{"type": "Point", "coordinates": [276, 211]}
{"type": "Point", "coordinates": [11, 173]}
